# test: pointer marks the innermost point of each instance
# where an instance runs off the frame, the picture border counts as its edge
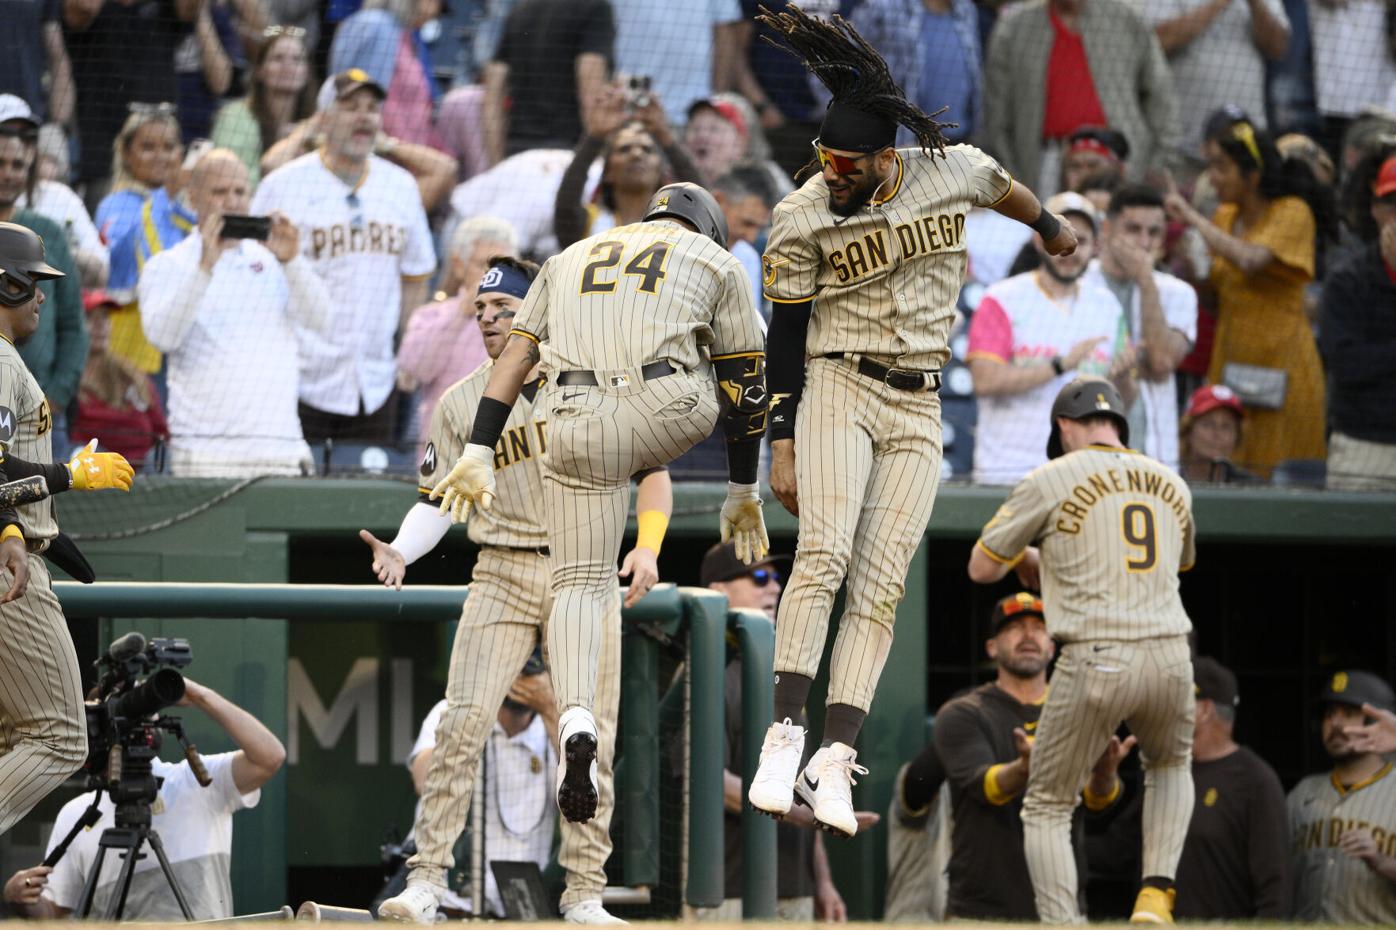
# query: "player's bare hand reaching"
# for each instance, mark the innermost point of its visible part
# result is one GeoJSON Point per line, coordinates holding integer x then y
{"type": "Point", "coordinates": [1103, 773]}
{"type": "Point", "coordinates": [388, 563]}
{"type": "Point", "coordinates": [642, 568]}
{"type": "Point", "coordinates": [15, 560]}
{"type": "Point", "coordinates": [783, 484]}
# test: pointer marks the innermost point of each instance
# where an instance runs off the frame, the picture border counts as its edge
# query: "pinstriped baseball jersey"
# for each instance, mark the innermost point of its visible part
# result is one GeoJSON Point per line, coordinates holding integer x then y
{"type": "Point", "coordinates": [516, 518]}
{"type": "Point", "coordinates": [1329, 885]}
{"type": "Point", "coordinates": [26, 427]}
{"type": "Point", "coordinates": [638, 293]}
{"type": "Point", "coordinates": [887, 278]}
{"type": "Point", "coordinates": [1115, 527]}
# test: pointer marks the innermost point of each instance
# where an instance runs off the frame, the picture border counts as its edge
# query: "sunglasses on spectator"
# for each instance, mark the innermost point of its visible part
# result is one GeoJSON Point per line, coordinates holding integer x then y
{"type": "Point", "coordinates": [151, 109]}
{"type": "Point", "coordinates": [274, 32]}
{"type": "Point", "coordinates": [763, 576]}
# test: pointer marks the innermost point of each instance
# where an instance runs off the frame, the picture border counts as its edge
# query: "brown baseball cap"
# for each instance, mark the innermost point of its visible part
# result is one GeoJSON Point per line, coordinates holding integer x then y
{"type": "Point", "coordinates": [720, 563]}
{"type": "Point", "coordinates": [1214, 682]}
{"type": "Point", "coordinates": [1012, 607]}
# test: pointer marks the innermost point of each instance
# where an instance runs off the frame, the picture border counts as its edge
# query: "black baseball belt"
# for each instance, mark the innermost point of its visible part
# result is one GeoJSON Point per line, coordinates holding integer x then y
{"type": "Point", "coordinates": [903, 379]}
{"type": "Point", "coordinates": [536, 550]}
{"type": "Point", "coordinates": [649, 371]}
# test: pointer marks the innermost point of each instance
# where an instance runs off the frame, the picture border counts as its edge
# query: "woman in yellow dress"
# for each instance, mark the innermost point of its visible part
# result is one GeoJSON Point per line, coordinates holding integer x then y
{"type": "Point", "coordinates": [1263, 240]}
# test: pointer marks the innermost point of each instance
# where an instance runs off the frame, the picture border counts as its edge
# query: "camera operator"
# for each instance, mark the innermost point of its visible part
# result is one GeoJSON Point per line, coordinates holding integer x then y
{"type": "Point", "coordinates": [195, 823]}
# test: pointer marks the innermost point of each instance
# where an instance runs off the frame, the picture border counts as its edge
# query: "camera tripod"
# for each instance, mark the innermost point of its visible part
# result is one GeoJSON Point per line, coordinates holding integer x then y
{"type": "Point", "coordinates": [132, 831]}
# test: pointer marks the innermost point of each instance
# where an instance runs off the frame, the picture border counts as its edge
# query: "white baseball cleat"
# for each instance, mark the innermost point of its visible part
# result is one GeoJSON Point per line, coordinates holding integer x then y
{"type": "Point", "coordinates": [826, 786]}
{"type": "Point", "coordinates": [576, 766]}
{"type": "Point", "coordinates": [590, 912]}
{"type": "Point", "coordinates": [416, 903]}
{"type": "Point", "coordinates": [772, 789]}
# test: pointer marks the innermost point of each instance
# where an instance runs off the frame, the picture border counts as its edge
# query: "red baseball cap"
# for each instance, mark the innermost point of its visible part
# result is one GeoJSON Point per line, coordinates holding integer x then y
{"type": "Point", "coordinates": [1386, 178]}
{"type": "Point", "coordinates": [96, 297]}
{"type": "Point", "coordinates": [723, 108]}
{"type": "Point", "coordinates": [1209, 397]}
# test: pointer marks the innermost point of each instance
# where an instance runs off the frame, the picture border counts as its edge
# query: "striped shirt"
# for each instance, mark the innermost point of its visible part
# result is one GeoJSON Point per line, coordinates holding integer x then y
{"type": "Point", "coordinates": [1115, 528]}
{"type": "Point", "coordinates": [26, 432]}
{"type": "Point", "coordinates": [1329, 885]}
{"type": "Point", "coordinates": [516, 518]}
{"type": "Point", "coordinates": [637, 293]}
{"type": "Point", "coordinates": [887, 277]}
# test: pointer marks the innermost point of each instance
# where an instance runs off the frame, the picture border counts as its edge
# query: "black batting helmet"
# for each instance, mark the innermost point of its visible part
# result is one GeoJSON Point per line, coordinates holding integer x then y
{"type": "Point", "coordinates": [693, 204]}
{"type": "Point", "coordinates": [22, 264]}
{"type": "Point", "coordinates": [1086, 397]}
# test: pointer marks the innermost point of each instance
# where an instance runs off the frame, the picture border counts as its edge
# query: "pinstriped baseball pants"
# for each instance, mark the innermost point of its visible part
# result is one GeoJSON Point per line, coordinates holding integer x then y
{"type": "Point", "coordinates": [1097, 685]}
{"type": "Point", "coordinates": [499, 626]}
{"type": "Point", "coordinates": [43, 728]}
{"type": "Point", "coordinates": [867, 461]}
{"type": "Point", "coordinates": [598, 437]}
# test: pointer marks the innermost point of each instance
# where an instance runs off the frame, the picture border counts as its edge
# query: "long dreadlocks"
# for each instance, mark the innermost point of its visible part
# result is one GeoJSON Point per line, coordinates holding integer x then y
{"type": "Point", "coordinates": [857, 77]}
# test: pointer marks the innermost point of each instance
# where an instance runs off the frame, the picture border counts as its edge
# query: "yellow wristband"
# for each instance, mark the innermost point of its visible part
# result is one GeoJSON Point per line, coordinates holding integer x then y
{"type": "Point", "coordinates": [653, 523]}
{"type": "Point", "coordinates": [1096, 802]}
{"type": "Point", "coordinates": [12, 532]}
{"type": "Point", "coordinates": [992, 792]}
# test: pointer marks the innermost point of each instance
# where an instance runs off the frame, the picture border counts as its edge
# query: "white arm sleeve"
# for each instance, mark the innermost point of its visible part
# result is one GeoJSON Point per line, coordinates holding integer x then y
{"type": "Point", "coordinates": [421, 530]}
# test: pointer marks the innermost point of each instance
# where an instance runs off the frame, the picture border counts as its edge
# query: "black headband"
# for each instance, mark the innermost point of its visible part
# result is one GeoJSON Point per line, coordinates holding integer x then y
{"type": "Point", "coordinates": [849, 129]}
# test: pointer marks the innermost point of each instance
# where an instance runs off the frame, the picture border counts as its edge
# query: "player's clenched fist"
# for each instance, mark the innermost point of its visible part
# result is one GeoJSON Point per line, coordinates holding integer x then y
{"type": "Point", "coordinates": [95, 471]}
{"type": "Point", "coordinates": [471, 481]}
{"type": "Point", "coordinates": [742, 523]}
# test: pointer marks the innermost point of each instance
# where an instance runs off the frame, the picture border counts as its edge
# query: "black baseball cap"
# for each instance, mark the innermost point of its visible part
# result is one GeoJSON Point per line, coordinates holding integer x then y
{"type": "Point", "coordinates": [720, 563]}
{"type": "Point", "coordinates": [1355, 688]}
{"type": "Point", "coordinates": [1012, 607]}
{"type": "Point", "coordinates": [1214, 682]}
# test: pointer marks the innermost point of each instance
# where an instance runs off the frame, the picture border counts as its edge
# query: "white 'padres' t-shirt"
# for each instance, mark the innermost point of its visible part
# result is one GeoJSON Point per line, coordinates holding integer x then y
{"type": "Point", "coordinates": [1178, 301]}
{"type": "Point", "coordinates": [1019, 324]}
{"type": "Point", "coordinates": [362, 241]}
{"type": "Point", "coordinates": [196, 826]}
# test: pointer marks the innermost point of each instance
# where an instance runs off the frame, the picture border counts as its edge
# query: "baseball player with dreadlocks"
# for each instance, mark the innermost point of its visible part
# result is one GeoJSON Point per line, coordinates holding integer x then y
{"type": "Point", "coordinates": [863, 267]}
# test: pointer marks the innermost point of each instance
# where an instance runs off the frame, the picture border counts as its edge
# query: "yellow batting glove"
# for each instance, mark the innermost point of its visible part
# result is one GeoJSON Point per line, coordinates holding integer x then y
{"type": "Point", "coordinates": [471, 481]}
{"type": "Point", "coordinates": [95, 471]}
{"type": "Point", "coordinates": [742, 523]}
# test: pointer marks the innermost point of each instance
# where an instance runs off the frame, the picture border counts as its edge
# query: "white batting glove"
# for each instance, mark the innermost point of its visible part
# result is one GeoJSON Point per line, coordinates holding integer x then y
{"type": "Point", "coordinates": [741, 522]}
{"type": "Point", "coordinates": [471, 481]}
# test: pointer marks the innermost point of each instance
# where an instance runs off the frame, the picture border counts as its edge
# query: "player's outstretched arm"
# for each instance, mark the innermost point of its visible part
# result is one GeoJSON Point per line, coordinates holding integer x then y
{"type": "Point", "coordinates": [471, 481]}
{"type": "Point", "coordinates": [422, 528]}
{"type": "Point", "coordinates": [1022, 205]}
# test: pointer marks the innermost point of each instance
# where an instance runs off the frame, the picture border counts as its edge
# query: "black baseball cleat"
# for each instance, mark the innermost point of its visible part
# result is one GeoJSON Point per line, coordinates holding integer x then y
{"type": "Point", "coordinates": [576, 769]}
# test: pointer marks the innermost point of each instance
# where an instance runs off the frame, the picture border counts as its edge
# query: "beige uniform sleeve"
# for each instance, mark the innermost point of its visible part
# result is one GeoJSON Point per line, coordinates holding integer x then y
{"type": "Point", "coordinates": [445, 440]}
{"type": "Point", "coordinates": [1017, 524]}
{"type": "Point", "coordinates": [790, 264]}
{"type": "Point", "coordinates": [532, 317]}
{"type": "Point", "coordinates": [990, 181]}
{"type": "Point", "coordinates": [736, 325]}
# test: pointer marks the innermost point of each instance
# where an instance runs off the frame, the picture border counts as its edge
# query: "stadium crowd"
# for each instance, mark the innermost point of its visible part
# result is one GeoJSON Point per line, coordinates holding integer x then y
{"type": "Point", "coordinates": [1235, 161]}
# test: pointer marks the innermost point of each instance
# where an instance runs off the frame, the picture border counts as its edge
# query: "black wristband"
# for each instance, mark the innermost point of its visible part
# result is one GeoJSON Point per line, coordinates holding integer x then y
{"type": "Point", "coordinates": [1057, 366]}
{"type": "Point", "coordinates": [742, 458]}
{"type": "Point", "coordinates": [1046, 225]}
{"type": "Point", "coordinates": [490, 418]}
